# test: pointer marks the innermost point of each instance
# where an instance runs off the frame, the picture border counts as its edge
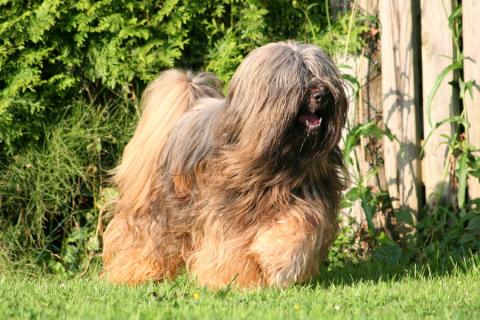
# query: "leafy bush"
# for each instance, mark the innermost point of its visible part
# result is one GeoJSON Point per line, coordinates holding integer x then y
{"type": "Point", "coordinates": [50, 190]}
{"type": "Point", "coordinates": [53, 52]}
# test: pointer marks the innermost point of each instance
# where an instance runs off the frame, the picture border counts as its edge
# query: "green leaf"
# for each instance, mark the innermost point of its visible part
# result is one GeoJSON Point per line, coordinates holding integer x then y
{"type": "Point", "coordinates": [364, 130]}
{"type": "Point", "coordinates": [459, 120]}
{"type": "Point", "coordinates": [353, 81]}
{"type": "Point", "coordinates": [474, 224]}
{"type": "Point", "coordinates": [452, 67]}
{"type": "Point", "coordinates": [405, 216]}
{"type": "Point", "coordinates": [468, 86]}
{"type": "Point", "coordinates": [466, 238]}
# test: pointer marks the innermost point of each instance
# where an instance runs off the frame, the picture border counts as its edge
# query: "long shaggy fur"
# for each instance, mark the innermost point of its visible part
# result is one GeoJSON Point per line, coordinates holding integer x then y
{"type": "Point", "coordinates": [242, 188]}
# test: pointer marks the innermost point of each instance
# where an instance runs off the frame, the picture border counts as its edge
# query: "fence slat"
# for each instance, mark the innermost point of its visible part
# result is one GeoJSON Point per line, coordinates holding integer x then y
{"type": "Point", "coordinates": [437, 50]}
{"type": "Point", "coordinates": [399, 99]}
{"type": "Point", "coordinates": [471, 49]}
{"type": "Point", "coordinates": [364, 109]}
{"type": "Point", "coordinates": [370, 102]}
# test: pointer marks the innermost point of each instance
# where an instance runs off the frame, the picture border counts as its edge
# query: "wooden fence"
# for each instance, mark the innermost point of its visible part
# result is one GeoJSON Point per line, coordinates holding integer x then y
{"type": "Point", "coordinates": [397, 79]}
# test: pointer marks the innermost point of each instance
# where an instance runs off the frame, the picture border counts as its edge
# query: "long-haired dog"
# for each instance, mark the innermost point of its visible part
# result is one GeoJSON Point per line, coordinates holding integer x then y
{"type": "Point", "coordinates": [242, 188]}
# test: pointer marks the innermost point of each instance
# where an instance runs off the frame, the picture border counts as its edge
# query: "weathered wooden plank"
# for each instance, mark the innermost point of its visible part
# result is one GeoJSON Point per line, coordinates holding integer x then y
{"type": "Point", "coordinates": [368, 6]}
{"type": "Point", "coordinates": [363, 109]}
{"type": "Point", "coordinates": [471, 49]}
{"type": "Point", "coordinates": [437, 50]}
{"type": "Point", "coordinates": [370, 100]}
{"type": "Point", "coordinates": [399, 103]}
{"type": "Point", "coordinates": [355, 212]}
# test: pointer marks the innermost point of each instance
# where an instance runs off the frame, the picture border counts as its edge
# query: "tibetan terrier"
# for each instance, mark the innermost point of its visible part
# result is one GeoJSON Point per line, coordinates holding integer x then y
{"type": "Point", "coordinates": [243, 188]}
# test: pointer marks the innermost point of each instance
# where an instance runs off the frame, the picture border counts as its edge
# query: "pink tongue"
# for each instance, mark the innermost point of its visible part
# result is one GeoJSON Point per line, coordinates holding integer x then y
{"type": "Point", "coordinates": [310, 119]}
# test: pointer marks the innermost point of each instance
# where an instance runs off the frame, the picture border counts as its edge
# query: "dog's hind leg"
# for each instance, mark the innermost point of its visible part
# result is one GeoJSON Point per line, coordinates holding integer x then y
{"type": "Point", "coordinates": [131, 255]}
{"type": "Point", "coordinates": [289, 250]}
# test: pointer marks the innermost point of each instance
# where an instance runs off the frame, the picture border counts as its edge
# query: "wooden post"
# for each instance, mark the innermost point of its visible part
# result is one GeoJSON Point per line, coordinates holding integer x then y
{"type": "Point", "coordinates": [364, 109]}
{"type": "Point", "coordinates": [400, 98]}
{"type": "Point", "coordinates": [370, 101]}
{"type": "Point", "coordinates": [471, 49]}
{"type": "Point", "coordinates": [437, 50]}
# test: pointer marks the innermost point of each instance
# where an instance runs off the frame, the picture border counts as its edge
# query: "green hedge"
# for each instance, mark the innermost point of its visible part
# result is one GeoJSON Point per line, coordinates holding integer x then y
{"type": "Point", "coordinates": [53, 52]}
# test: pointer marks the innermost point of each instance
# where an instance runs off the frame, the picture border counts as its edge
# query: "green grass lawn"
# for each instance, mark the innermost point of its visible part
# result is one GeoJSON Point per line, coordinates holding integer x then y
{"type": "Point", "coordinates": [365, 291]}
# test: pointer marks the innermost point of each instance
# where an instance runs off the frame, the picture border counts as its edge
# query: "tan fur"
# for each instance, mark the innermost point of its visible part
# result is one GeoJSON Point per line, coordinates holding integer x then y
{"type": "Point", "coordinates": [235, 188]}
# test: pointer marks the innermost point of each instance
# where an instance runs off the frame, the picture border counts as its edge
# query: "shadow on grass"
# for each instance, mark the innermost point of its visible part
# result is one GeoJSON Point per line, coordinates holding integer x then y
{"type": "Point", "coordinates": [378, 271]}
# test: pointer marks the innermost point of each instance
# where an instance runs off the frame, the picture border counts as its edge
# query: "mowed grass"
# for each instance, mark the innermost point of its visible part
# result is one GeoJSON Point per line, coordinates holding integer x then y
{"type": "Point", "coordinates": [364, 291]}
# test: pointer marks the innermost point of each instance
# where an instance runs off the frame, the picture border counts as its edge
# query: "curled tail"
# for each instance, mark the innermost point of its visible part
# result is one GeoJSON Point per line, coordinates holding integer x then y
{"type": "Point", "coordinates": [164, 101]}
{"type": "Point", "coordinates": [128, 250]}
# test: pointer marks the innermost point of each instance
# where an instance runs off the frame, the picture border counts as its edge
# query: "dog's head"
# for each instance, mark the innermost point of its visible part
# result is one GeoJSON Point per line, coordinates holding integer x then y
{"type": "Point", "coordinates": [286, 97]}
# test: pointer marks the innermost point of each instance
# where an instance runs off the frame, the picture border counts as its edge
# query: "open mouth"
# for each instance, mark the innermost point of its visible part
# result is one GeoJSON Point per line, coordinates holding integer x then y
{"type": "Point", "coordinates": [311, 121]}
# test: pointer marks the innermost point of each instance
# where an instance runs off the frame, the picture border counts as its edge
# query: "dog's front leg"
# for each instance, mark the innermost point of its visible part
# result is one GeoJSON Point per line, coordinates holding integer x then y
{"type": "Point", "coordinates": [219, 260]}
{"type": "Point", "coordinates": [289, 250]}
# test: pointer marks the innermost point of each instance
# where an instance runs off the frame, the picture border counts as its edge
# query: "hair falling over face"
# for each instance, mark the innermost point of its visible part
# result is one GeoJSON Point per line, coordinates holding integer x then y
{"type": "Point", "coordinates": [242, 189]}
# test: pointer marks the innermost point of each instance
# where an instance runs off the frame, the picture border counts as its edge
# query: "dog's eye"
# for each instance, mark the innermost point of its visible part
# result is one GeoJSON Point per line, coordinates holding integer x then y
{"type": "Point", "coordinates": [319, 93]}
